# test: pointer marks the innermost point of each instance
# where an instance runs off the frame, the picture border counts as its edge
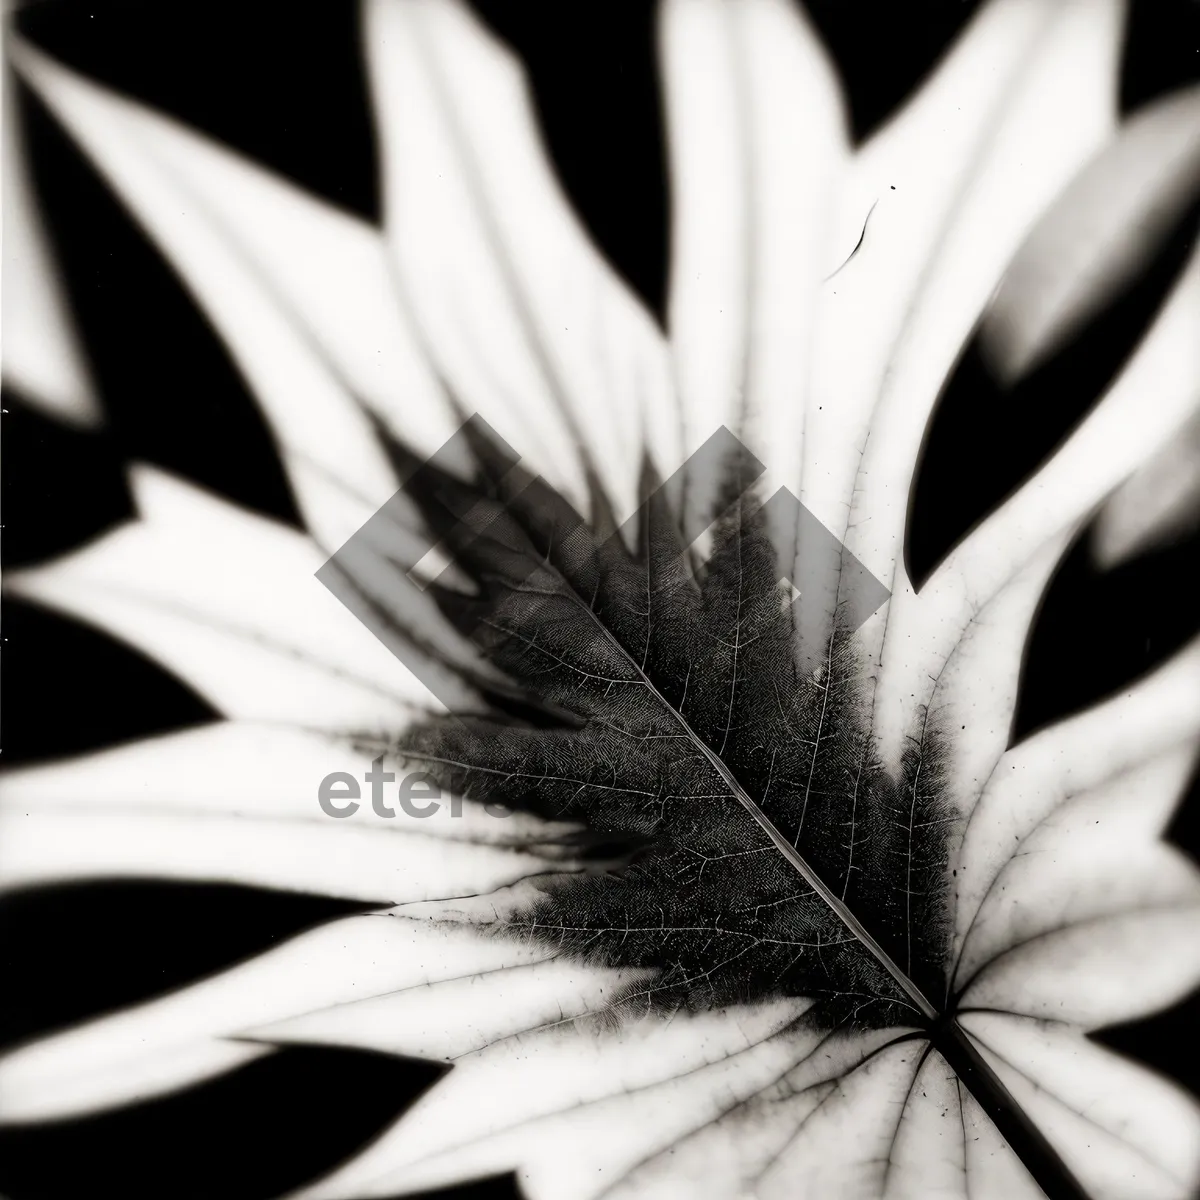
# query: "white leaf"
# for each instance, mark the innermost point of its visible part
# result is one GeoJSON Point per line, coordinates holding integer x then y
{"type": "Point", "coordinates": [757, 145]}
{"type": "Point", "coordinates": [566, 1070]}
{"type": "Point", "coordinates": [183, 1037]}
{"type": "Point", "coordinates": [1035, 522]}
{"type": "Point", "coordinates": [956, 179]}
{"type": "Point", "coordinates": [1099, 232]}
{"type": "Point", "coordinates": [1126, 1133]}
{"type": "Point", "coordinates": [269, 267]}
{"type": "Point", "coordinates": [239, 804]}
{"type": "Point", "coordinates": [527, 323]}
{"type": "Point", "coordinates": [1065, 909]}
{"type": "Point", "coordinates": [42, 355]}
{"type": "Point", "coordinates": [1159, 501]}
{"type": "Point", "coordinates": [228, 601]}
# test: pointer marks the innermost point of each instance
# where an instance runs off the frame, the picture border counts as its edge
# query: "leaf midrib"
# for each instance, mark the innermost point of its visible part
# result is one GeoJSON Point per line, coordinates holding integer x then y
{"type": "Point", "coordinates": [841, 910]}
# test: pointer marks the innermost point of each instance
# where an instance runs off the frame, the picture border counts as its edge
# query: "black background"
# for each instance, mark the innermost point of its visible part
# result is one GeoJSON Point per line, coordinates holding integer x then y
{"type": "Point", "coordinates": [282, 82]}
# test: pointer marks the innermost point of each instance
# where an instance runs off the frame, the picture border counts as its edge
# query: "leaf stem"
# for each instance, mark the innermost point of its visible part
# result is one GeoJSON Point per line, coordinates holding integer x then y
{"type": "Point", "coordinates": [947, 1036]}
{"type": "Point", "coordinates": [1027, 1141]}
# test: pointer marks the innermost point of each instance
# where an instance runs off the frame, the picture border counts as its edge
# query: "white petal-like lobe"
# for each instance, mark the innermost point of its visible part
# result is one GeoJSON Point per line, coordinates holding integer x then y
{"type": "Point", "coordinates": [1097, 235]}
{"type": "Point", "coordinates": [1125, 1132]}
{"type": "Point", "coordinates": [254, 769]}
{"type": "Point", "coordinates": [1026, 535]}
{"type": "Point", "coordinates": [757, 147]}
{"type": "Point", "coordinates": [183, 1037]}
{"type": "Point", "coordinates": [527, 323]}
{"type": "Point", "coordinates": [503, 1106]}
{"type": "Point", "coordinates": [209, 232]}
{"type": "Point", "coordinates": [1054, 110]}
{"type": "Point", "coordinates": [449, 1018]}
{"type": "Point", "coordinates": [80, 1086]}
{"type": "Point", "coordinates": [42, 356]}
{"type": "Point", "coordinates": [324, 268]}
{"type": "Point", "coordinates": [228, 601]}
{"type": "Point", "coordinates": [1151, 728]}
{"type": "Point", "coordinates": [304, 297]}
{"type": "Point", "coordinates": [1089, 920]}
{"type": "Point", "coordinates": [952, 183]}
{"type": "Point", "coordinates": [239, 803]}
{"type": "Point", "coordinates": [1157, 503]}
